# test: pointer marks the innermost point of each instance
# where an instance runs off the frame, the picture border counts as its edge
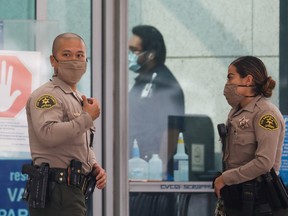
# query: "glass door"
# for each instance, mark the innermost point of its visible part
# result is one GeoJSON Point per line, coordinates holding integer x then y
{"type": "Point", "coordinates": [24, 60]}
{"type": "Point", "coordinates": [179, 53]}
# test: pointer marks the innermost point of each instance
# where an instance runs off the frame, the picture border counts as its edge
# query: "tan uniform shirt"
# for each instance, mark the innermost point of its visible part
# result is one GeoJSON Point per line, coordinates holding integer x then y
{"type": "Point", "coordinates": [59, 129]}
{"type": "Point", "coordinates": [254, 141]}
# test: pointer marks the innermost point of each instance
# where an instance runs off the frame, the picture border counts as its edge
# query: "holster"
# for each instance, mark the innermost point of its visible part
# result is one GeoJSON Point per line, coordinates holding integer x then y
{"type": "Point", "coordinates": [275, 190]}
{"type": "Point", "coordinates": [90, 186]}
{"type": "Point", "coordinates": [36, 187]}
{"type": "Point", "coordinates": [85, 183]}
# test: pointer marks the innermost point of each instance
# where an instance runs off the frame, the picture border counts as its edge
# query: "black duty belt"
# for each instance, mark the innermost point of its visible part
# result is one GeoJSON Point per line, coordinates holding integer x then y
{"type": "Point", "coordinates": [40, 176]}
{"type": "Point", "coordinates": [61, 176]}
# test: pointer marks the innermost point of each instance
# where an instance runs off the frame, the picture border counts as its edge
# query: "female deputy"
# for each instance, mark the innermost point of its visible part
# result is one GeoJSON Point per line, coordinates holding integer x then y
{"type": "Point", "coordinates": [255, 133]}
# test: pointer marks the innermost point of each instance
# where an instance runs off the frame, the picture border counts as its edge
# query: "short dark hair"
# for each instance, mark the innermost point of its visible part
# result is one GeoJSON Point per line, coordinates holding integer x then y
{"type": "Point", "coordinates": [64, 35]}
{"type": "Point", "coordinates": [252, 65]}
{"type": "Point", "coordinates": [152, 40]}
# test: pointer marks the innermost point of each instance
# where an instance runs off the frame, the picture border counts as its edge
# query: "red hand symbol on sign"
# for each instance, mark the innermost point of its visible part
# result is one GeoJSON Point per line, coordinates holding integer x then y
{"type": "Point", "coordinates": [5, 88]}
{"type": "Point", "coordinates": [15, 86]}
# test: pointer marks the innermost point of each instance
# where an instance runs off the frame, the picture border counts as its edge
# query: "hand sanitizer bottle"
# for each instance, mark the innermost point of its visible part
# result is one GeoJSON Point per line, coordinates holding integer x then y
{"type": "Point", "coordinates": [138, 168]}
{"type": "Point", "coordinates": [180, 161]}
{"type": "Point", "coordinates": [155, 168]}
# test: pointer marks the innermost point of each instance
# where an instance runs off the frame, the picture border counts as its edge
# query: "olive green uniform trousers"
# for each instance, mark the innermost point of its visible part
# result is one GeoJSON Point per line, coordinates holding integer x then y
{"type": "Point", "coordinates": [64, 200]}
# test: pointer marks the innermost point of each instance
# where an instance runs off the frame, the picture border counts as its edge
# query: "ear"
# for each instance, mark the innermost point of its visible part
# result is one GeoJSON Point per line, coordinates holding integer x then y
{"type": "Point", "coordinates": [52, 60]}
{"type": "Point", "coordinates": [249, 80]}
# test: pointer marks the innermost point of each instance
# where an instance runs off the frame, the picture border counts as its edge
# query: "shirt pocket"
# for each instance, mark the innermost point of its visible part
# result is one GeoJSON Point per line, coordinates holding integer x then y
{"type": "Point", "coordinates": [245, 144]}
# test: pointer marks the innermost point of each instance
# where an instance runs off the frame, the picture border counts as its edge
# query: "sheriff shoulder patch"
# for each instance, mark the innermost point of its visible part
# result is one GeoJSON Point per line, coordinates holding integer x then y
{"type": "Point", "coordinates": [45, 102]}
{"type": "Point", "coordinates": [268, 122]}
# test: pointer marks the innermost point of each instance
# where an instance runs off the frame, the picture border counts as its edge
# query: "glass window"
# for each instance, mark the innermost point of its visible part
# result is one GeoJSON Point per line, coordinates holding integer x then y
{"type": "Point", "coordinates": [15, 31]}
{"type": "Point", "coordinates": [13, 131]}
{"type": "Point", "coordinates": [74, 16]}
{"type": "Point", "coordinates": [202, 38]}
{"type": "Point", "coordinates": [17, 9]}
{"type": "Point", "coordinates": [25, 47]}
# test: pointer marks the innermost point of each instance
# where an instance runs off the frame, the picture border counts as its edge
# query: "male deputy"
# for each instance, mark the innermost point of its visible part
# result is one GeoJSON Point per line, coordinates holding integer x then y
{"type": "Point", "coordinates": [60, 123]}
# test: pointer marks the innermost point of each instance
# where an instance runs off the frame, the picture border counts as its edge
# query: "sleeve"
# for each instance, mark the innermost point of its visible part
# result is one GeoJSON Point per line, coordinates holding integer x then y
{"type": "Point", "coordinates": [269, 129]}
{"type": "Point", "coordinates": [92, 157]}
{"type": "Point", "coordinates": [48, 123]}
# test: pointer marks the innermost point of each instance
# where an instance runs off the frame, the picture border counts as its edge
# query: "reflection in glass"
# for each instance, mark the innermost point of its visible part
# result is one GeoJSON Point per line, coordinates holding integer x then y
{"type": "Point", "coordinates": [155, 95]}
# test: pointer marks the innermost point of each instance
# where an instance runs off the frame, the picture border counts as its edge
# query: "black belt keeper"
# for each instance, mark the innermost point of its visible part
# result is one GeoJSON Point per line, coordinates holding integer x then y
{"type": "Point", "coordinates": [58, 175]}
{"type": "Point", "coordinates": [75, 173]}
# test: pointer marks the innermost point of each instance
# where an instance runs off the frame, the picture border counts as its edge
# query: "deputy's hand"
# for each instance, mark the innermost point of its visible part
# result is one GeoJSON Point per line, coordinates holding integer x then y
{"type": "Point", "coordinates": [101, 176]}
{"type": "Point", "coordinates": [91, 106]}
{"type": "Point", "coordinates": [218, 185]}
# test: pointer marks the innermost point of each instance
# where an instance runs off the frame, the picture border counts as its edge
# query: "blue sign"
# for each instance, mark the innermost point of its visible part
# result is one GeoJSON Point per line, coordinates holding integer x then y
{"type": "Point", "coordinates": [12, 184]}
{"type": "Point", "coordinates": [284, 159]}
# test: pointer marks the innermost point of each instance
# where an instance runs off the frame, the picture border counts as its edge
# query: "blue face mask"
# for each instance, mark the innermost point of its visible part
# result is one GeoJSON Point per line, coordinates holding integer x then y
{"type": "Point", "coordinates": [133, 61]}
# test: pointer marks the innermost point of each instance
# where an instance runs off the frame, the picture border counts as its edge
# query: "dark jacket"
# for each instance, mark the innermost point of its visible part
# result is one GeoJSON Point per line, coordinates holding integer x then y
{"type": "Point", "coordinates": [148, 116]}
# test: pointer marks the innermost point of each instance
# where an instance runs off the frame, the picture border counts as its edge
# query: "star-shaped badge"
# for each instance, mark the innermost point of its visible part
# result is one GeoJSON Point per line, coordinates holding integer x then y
{"type": "Point", "coordinates": [243, 122]}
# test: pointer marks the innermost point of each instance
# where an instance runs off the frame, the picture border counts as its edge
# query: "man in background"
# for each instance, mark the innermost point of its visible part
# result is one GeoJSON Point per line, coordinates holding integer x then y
{"type": "Point", "coordinates": [155, 95]}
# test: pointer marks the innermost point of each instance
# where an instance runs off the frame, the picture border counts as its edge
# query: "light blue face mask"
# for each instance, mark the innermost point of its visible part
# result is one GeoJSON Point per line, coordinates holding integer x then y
{"type": "Point", "coordinates": [133, 61]}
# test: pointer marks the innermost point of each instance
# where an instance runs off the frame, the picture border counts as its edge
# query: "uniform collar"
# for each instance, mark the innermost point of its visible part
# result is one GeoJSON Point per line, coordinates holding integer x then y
{"type": "Point", "coordinates": [61, 84]}
{"type": "Point", "coordinates": [66, 88]}
{"type": "Point", "coordinates": [249, 107]}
